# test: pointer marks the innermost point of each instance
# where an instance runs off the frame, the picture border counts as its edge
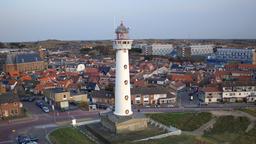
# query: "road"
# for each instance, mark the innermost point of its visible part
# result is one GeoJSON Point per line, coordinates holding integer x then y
{"type": "Point", "coordinates": [39, 124]}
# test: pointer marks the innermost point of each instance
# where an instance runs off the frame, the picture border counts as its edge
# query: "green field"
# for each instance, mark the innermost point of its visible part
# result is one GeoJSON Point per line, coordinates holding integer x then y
{"type": "Point", "coordinates": [229, 129]}
{"type": "Point", "coordinates": [183, 121]}
{"type": "Point", "coordinates": [250, 111]}
{"type": "Point", "coordinates": [226, 130]}
{"type": "Point", "coordinates": [68, 135]}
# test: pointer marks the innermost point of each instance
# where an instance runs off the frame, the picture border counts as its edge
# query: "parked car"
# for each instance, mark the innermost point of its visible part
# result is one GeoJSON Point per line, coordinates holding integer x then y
{"type": "Point", "coordinates": [24, 139]}
{"type": "Point", "coordinates": [31, 98]}
{"type": "Point", "coordinates": [24, 98]}
{"type": "Point", "coordinates": [45, 109]}
{"type": "Point", "coordinates": [40, 103]}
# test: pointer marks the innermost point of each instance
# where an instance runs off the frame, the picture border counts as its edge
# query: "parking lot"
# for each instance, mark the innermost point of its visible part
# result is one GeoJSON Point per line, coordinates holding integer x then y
{"type": "Point", "coordinates": [32, 108]}
{"type": "Point", "coordinates": [184, 97]}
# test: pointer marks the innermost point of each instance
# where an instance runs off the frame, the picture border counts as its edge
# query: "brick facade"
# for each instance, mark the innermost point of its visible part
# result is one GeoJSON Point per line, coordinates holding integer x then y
{"type": "Point", "coordinates": [10, 109]}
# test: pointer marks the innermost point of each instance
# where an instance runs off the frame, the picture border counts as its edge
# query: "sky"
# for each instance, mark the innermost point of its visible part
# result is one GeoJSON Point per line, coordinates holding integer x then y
{"type": "Point", "coordinates": [33, 20]}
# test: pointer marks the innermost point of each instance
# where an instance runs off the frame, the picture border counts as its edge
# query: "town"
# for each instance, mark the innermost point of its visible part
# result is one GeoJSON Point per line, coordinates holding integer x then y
{"type": "Point", "coordinates": [163, 75]}
{"type": "Point", "coordinates": [127, 72]}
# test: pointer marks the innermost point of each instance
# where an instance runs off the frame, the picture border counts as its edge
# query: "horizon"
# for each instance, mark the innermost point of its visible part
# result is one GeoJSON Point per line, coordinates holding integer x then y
{"type": "Point", "coordinates": [30, 21]}
{"type": "Point", "coordinates": [112, 40]}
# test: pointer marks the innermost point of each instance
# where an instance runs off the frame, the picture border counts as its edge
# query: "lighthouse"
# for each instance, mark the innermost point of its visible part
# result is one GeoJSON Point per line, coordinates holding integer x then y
{"type": "Point", "coordinates": [122, 44]}
{"type": "Point", "coordinates": [123, 120]}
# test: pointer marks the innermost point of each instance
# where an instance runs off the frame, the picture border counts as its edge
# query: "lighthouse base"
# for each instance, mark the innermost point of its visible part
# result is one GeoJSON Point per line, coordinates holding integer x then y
{"type": "Point", "coordinates": [124, 124]}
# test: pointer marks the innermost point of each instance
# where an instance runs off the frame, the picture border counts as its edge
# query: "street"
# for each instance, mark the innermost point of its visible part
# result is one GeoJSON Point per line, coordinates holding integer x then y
{"type": "Point", "coordinates": [39, 124]}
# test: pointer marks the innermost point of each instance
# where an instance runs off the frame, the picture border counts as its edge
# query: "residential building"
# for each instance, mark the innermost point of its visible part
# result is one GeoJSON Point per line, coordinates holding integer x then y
{"type": "Point", "coordinates": [23, 62]}
{"type": "Point", "coordinates": [211, 94]}
{"type": "Point", "coordinates": [157, 49]}
{"type": "Point", "coordinates": [151, 96]}
{"type": "Point", "coordinates": [2, 88]}
{"type": "Point", "coordinates": [103, 97]}
{"type": "Point", "coordinates": [251, 98]}
{"type": "Point", "coordinates": [201, 49]}
{"type": "Point", "coordinates": [238, 91]}
{"type": "Point", "coordinates": [10, 105]}
{"type": "Point", "coordinates": [195, 50]}
{"type": "Point", "coordinates": [61, 98]}
{"type": "Point", "coordinates": [254, 57]}
{"type": "Point", "coordinates": [225, 55]}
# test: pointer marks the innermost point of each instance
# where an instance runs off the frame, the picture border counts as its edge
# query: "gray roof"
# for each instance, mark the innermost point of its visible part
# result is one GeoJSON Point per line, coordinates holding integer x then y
{"type": "Point", "coordinates": [103, 94]}
{"type": "Point", "coordinates": [122, 29]}
{"type": "Point", "coordinates": [56, 90]}
{"type": "Point", "coordinates": [149, 90]}
{"type": "Point", "coordinates": [22, 58]}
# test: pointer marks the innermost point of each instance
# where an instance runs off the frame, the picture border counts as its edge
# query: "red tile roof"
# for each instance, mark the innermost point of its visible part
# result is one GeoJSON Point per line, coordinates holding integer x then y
{"type": "Point", "coordinates": [211, 89]}
{"type": "Point", "coordinates": [182, 77]}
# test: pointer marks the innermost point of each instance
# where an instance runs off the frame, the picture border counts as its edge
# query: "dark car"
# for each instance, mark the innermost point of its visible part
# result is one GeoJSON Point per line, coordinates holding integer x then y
{"type": "Point", "coordinates": [40, 103]}
{"type": "Point", "coordinates": [31, 99]}
{"type": "Point", "coordinates": [27, 98]}
{"type": "Point", "coordinates": [23, 139]}
{"type": "Point", "coordinates": [24, 98]}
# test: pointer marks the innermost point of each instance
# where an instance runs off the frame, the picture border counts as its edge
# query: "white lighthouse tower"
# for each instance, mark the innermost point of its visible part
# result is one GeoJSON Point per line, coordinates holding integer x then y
{"type": "Point", "coordinates": [122, 44]}
{"type": "Point", "coordinates": [123, 120]}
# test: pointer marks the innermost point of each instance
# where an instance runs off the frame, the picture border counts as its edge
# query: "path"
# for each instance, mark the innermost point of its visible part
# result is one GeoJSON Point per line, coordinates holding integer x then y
{"type": "Point", "coordinates": [238, 114]}
{"type": "Point", "coordinates": [200, 131]}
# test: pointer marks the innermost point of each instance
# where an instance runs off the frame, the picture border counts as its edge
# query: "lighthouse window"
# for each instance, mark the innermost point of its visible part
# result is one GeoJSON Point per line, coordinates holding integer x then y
{"type": "Point", "coordinates": [126, 82]}
{"type": "Point", "coordinates": [125, 66]}
{"type": "Point", "coordinates": [126, 97]}
{"type": "Point", "coordinates": [126, 111]}
{"type": "Point", "coordinates": [124, 42]}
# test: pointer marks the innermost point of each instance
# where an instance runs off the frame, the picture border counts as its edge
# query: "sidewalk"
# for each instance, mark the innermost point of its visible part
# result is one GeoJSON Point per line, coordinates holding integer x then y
{"type": "Point", "coordinates": [25, 119]}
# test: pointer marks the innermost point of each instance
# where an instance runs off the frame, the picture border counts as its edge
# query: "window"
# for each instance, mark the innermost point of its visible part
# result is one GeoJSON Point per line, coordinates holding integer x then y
{"type": "Point", "coordinates": [64, 96]}
{"type": "Point", "coordinates": [126, 97]}
{"type": "Point", "coordinates": [125, 66]}
{"type": "Point", "coordinates": [124, 42]}
{"type": "Point", "coordinates": [126, 82]}
{"type": "Point", "coordinates": [137, 101]}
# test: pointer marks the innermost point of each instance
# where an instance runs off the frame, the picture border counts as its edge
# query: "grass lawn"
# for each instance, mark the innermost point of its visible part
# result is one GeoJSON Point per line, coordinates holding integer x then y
{"type": "Point", "coordinates": [250, 111]}
{"type": "Point", "coordinates": [126, 137]}
{"type": "Point", "coordinates": [183, 121]}
{"type": "Point", "coordinates": [68, 135]}
{"type": "Point", "coordinates": [229, 129]}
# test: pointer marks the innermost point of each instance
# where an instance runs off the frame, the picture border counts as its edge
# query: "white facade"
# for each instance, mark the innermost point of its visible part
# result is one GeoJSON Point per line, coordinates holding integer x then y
{"type": "Point", "coordinates": [201, 49]}
{"type": "Point", "coordinates": [122, 45]}
{"type": "Point", "coordinates": [157, 49]}
{"type": "Point", "coordinates": [238, 92]}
